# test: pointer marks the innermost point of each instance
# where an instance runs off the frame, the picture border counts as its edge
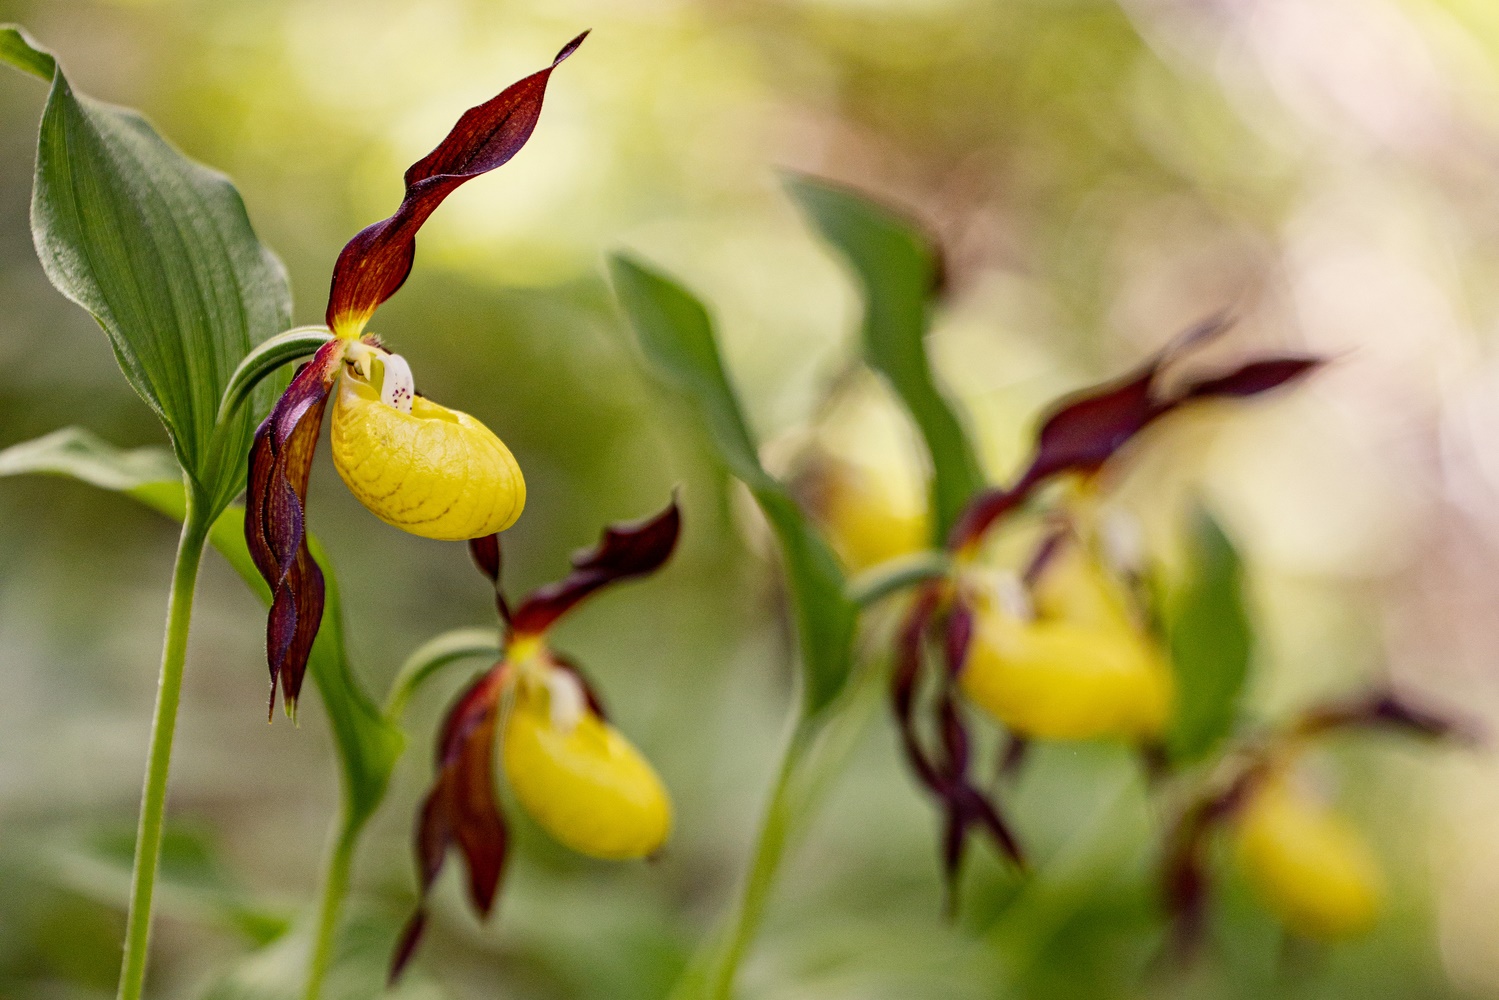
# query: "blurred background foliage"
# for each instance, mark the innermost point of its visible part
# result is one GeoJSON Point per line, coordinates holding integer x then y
{"type": "Point", "coordinates": [1099, 174]}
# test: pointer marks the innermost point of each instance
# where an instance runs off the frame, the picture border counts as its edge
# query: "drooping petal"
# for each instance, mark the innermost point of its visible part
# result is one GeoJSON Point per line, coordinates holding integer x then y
{"type": "Point", "coordinates": [1386, 710]}
{"type": "Point", "coordinates": [625, 551]}
{"type": "Point", "coordinates": [460, 810]}
{"type": "Point", "coordinates": [1085, 430]}
{"type": "Point", "coordinates": [375, 263]}
{"type": "Point", "coordinates": [275, 520]}
{"type": "Point", "coordinates": [944, 770]}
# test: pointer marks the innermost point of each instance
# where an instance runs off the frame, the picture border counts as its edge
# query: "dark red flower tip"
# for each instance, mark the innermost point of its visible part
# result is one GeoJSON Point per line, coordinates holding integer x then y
{"type": "Point", "coordinates": [624, 551]}
{"type": "Point", "coordinates": [1387, 710]}
{"type": "Point", "coordinates": [276, 526]}
{"type": "Point", "coordinates": [1085, 430]}
{"type": "Point", "coordinates": [374, 264]}
{"type": "Point", "coordinates": [460, 810]}
{"type": "Point", "coordinates": [944, 769]}
{"type": "Point", "coordinates": [487, 555]}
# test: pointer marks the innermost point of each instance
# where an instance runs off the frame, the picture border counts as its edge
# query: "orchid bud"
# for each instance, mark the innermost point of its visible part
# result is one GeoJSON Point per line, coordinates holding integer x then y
{"type": "Point", "coordinates": [580, 779]}
{"type": "Point", "coordinates": [1313, 870]}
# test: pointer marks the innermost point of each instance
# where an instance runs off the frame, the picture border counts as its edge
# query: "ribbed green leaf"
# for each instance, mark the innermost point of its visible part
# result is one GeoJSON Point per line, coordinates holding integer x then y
{"type": "Point", "coordinates": [160, 251]}
{"type": "Point", "coordinates": [896, 266]}
{"type": "Point", "coordinates": [368, 745]}
{"type": "Point", "coordinates": [677, 339]}
{"type": "Point", "coordinates": [1211, 643]}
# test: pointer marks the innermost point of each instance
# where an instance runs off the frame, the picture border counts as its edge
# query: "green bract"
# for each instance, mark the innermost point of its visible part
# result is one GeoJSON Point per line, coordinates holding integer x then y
{"type": "Point", "coordinates": [160, 252]}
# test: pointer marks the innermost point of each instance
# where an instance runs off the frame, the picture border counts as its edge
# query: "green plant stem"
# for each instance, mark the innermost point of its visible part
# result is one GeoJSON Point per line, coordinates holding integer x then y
{"type": "Point", "coordinates": [770, 849]}
{"type": "Point", "coordinates": [159, 759]}
{"type": "Point", "coordinates": [330, 907]}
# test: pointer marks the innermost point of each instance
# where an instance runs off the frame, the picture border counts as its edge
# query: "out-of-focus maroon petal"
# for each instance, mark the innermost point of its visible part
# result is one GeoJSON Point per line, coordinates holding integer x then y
{"type": "Point", "coordinates": [1087, 429]}
{"type": "Point", "coordinates": [460, 810]}
{"type": "Point", "coordinates": [375, 263]}
{"type": "Point", "coordinates": [275, 521]}
{"type": "Point", "coordinates": [944, 769]}
{"type": "Point", "coordinates": [626, 550]}
{"type": "Point", "coordinates": [1254, 378]}
{"type": "Point", "coordinates": [1387, 710]}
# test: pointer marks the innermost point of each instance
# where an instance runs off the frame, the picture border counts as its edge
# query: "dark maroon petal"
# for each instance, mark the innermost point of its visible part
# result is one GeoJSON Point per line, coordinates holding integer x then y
{"type": "Point", "coordinates": [1087, 429]}
{"type": "Point", "coordinates": [957, 638]}
{"type": "Point", "coordinates": [275, 520]}
{"type": "Point", "coordinates": [460, 810]}
{"type": "Point", "coordinates": [486, 553]}
{"type": "Point", "coordinates": [375, 263]}
{"type": "Point", "coordinates": [406, 943]}
{"type": "Point", "coordinates": [1387, 710]}
{"type": "Point", "coordinates": [625, 551]}
{"type": "Point", "coordinates": [944, 769]}
{"type": "Point", "coordinates": [1254, 378]}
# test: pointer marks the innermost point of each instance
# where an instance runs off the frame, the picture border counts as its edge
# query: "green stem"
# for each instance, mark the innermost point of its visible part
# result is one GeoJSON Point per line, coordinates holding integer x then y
{"type": "Point", "coordinates": [770, 848]}
{"type": "Point", "coordinates": [159, 759]}
{"type": "Point", "coordinates": [330, 908]}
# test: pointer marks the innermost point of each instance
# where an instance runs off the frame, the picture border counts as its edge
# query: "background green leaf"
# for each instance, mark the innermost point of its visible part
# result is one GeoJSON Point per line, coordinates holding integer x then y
{"type": "Point", "coordinates": [677, 339]}
{"type": "Point", "coordinates": [1211, 643]}
{"type": "Point", "coordinates": [368, 745]}
{"type": "Point", "coordinates": [160, 251]}
{"type": "Point", "coordinates": [897, 268]}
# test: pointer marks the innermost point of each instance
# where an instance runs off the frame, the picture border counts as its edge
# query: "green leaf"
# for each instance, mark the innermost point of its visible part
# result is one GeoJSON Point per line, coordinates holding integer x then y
{"type": "Point", "coordinates": [897, 268]}
{"type": "Point", "coordinates": [160, 251]}
{"type": "Point", "coordinates": [368, 745]}
{"type": "Point", "coordinates": [1211, 643]}
{"type": "Point", "coordinates": [677, 339]}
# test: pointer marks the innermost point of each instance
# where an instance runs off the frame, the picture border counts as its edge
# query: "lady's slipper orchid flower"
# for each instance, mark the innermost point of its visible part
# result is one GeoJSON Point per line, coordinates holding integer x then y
{"type": "Point", "coordinates": [415, 464]}
{"type": "Point", "coordinates": [1050, 670]}
{"type": "Point", "coordinates": [866, 518]}
{"type": "Point", "coordinates": [1308, 866]}
{"type": "Point", "coordinates": [1056, 651]}
{"type": "Point", "coordinates": [575, 774]}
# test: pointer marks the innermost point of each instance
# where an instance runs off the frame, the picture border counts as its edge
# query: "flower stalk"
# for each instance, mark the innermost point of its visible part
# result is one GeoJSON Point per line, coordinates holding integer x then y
{"type": "Point", "coordinates": [195, 527]}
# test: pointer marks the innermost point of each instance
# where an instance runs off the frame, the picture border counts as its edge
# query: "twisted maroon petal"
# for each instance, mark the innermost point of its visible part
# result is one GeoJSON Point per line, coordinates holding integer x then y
{"type": "Point", "coordinates": [374, 264]}
{"type": "Point", "coordinates": [486, 554]}
{"type": "Point", "coordinates": [624, 551]}
{"type": "Point", "coordinates": [944, 770]}
{"type": "Point", "coordinates": [460, 810]}
{"type": "Point", "coordinates": [275, 521]}
{"type": "Point", "coordinates": [1085, 430]}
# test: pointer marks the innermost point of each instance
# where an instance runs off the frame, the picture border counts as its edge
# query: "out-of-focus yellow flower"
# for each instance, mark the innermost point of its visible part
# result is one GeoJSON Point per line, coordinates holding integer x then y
{"type": "Point", "coordinates": [867, 520]}
{"type": "Point", "coordinates": [1067, 662]}
{"type": "Point", "coordinates": [578, 776]}
{"type": "Point", "coordinates": [1309, 867]}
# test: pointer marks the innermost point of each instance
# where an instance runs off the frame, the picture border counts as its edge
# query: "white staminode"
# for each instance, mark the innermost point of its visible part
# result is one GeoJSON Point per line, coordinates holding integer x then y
{"type": "Point", "coordinates": [398, 388]}
{"type": "Point", "coordinates": [1013, 599]}
{"type": "Point", "coordinates": [567, 699]}
{"type": "Point", "coordinates": [1123, 539]}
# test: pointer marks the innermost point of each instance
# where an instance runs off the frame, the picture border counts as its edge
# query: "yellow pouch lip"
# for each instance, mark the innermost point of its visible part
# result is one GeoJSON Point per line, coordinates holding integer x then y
{"type": "Point", "coordinates": [434, 472]}
{"type": "Point", "coordinates": [590, 788]}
